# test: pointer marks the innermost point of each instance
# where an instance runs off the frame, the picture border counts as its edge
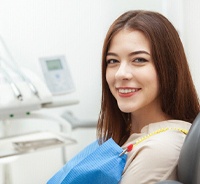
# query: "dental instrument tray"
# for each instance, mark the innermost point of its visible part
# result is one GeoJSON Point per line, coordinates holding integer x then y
{"type": "Point", "coordinates": [31, 142]}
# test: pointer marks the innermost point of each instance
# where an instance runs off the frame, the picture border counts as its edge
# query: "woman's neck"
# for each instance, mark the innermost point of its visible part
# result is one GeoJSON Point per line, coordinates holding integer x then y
{"type": "Point", "coordinates": [140, 120]}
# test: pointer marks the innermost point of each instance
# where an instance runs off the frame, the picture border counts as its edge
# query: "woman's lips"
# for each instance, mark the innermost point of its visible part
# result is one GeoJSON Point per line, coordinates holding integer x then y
{"type": "Point", "coordinates": [127, 92]}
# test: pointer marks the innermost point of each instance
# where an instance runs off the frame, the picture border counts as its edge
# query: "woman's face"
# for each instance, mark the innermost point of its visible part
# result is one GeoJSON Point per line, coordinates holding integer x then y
{"type": "Point", "coordinates": [131, 74]}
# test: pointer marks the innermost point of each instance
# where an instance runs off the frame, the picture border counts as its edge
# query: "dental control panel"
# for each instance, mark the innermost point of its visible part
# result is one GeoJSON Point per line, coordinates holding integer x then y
{"type": "Point", "coordinates": [57, 75]}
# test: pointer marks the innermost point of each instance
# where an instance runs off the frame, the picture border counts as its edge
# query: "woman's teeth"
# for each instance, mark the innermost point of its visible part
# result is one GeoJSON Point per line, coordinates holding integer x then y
{"type": "Point", "coordinates": [127, 90]}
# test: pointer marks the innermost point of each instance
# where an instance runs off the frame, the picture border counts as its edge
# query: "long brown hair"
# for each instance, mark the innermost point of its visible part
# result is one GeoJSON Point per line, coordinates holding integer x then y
{"type": "Point", "coordinates": [179, 99]}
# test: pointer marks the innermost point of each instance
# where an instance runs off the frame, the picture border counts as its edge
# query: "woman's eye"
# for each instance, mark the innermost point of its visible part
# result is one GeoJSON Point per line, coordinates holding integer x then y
{"type": "Point", "coordinates": [140, 60]}
{"type": "Point", "coordinates": [112, 61]}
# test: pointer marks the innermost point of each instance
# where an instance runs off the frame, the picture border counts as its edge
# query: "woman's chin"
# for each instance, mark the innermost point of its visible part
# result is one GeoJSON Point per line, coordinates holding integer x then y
{"type": "Point", "coordinates": [125, 110]}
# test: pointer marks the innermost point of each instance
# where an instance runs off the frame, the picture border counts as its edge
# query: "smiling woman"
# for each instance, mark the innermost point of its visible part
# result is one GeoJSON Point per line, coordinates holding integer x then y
{"type": "Point", "coordinates": [146, 88]}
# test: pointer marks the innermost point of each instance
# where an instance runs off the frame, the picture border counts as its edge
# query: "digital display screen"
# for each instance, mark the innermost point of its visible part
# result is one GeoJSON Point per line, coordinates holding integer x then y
{"type": "Point", "coordinates": [54, 64]}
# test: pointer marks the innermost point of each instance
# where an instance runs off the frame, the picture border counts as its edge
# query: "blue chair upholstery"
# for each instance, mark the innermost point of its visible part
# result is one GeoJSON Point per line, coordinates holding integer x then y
{"type": "Point", "coordinates": [189, 161]}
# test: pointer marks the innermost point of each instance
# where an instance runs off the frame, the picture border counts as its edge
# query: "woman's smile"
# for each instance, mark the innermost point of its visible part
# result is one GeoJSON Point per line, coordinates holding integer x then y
{"type": "Point", "coordinates": [127, 91]}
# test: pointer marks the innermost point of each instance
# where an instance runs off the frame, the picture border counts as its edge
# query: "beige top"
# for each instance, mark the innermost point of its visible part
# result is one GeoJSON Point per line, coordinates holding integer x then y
{"type": "Point", "coordinates": [156, 158]}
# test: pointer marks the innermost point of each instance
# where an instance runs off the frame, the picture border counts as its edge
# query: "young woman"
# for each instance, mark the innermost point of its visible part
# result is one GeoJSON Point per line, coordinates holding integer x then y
{"type": "Point", "coordinates": [148, 96]}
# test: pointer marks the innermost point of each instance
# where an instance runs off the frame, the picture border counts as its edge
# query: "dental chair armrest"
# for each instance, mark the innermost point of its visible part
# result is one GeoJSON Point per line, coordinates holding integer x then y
{"type": "Point", "coordinates": [168, 182]}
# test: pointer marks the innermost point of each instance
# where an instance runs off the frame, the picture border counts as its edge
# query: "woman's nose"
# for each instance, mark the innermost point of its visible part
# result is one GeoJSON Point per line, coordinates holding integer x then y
{"type": "Point", "coordinates": [124, 72]}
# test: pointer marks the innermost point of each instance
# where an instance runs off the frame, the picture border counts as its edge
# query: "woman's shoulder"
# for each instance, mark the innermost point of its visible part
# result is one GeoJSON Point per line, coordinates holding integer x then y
{"type": "Point", "coordinates": [157, 130]}
{"type": "Point", "coordinates": [170, 124]}
{"type": "Point", "coordinates": [157, 147]}
{"type": "Point", "coordinates": [165, 134]}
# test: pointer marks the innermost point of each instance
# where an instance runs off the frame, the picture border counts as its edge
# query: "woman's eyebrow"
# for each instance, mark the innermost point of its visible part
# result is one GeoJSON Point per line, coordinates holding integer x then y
{"type": "Point", "coordinates": [111, 54]}
{"type": "Point", "coordinates": [139, 52]}
{"type": "Point", "coordinates": [132, 53]}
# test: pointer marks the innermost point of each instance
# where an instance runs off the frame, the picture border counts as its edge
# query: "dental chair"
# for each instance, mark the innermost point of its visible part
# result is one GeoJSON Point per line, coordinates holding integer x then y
{"type": "Point", "coordinates": [189, 161]}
